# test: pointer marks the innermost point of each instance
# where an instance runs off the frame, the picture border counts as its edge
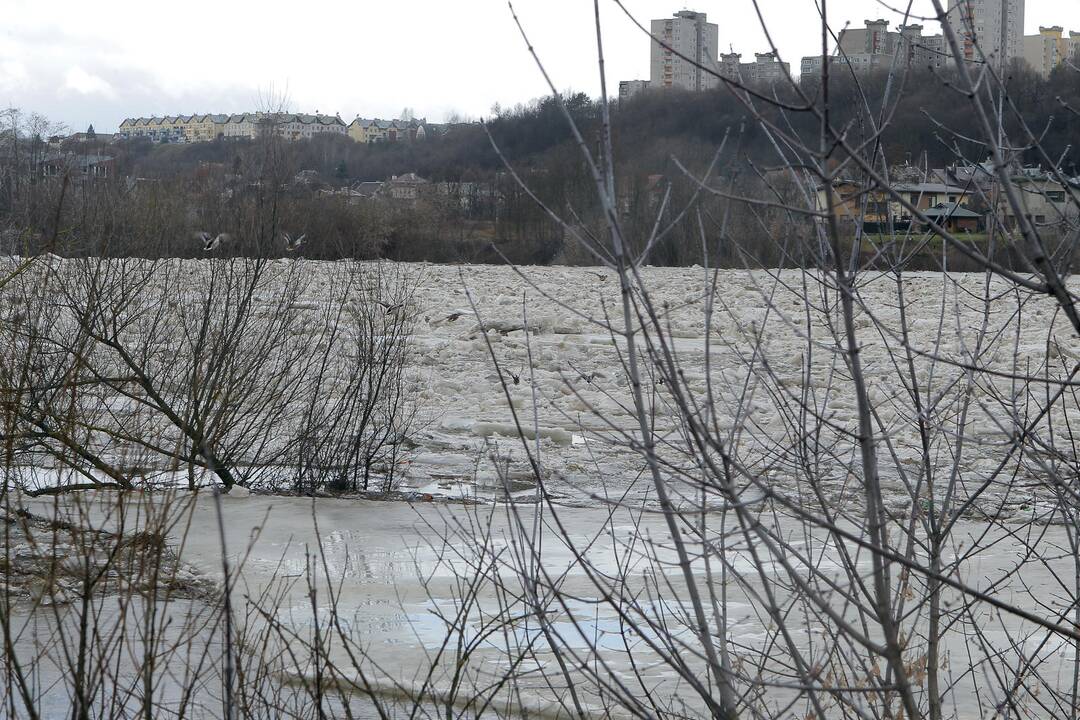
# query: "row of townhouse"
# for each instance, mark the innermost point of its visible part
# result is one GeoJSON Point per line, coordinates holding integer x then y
{"type": "Point", "coordinates": [365, 130]}
{"type": "Point", "coordinates": [291, 126]}
{"type": "Point", "coordinates": [204, 128]}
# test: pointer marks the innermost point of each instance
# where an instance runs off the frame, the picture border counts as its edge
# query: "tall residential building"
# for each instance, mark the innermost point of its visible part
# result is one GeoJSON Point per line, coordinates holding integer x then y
{"type": "Point", "coordinates": [995, 27]}
{"type": "Point", "coordinates": [766, 68]}
{"type": "Point", "coordinates": [1050, 48]}
{"type": "Point", "coordinates": [935, 51]}
{"type": "Point", "coordinates": [875, 47]}
{"type": "Point", "coordinates": [691, 36]}
{"type": "Point", "coordinates": [879, 41]}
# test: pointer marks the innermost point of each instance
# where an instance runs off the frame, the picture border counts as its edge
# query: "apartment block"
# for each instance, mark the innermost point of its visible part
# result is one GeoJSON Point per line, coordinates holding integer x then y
{"type": "Point", "coordinates": [935, 51]}
{"type": "Point", "coordinates": [630, 88]}
{"type": "Point", "coordinates": [813, 66]}
{"type": "Point", "coordinates": [876, 47]}
{"type": "Point", "coordinates": [988, 30]}
{"type": "Point", "coordinates": [686, 35]}
{"type": "Point", "coordinates": [874, 39]}
{"type": "Point", "coordinates": [1051, 48]}
{"type": "Point", "coordinates": [766, 68]}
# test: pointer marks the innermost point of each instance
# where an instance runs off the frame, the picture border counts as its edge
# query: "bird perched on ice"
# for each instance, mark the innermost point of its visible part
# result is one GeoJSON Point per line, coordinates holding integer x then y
{"type": "Point", "coordinates": [290, 244]}
{"type": "Point", "coordinates": [212, 243]}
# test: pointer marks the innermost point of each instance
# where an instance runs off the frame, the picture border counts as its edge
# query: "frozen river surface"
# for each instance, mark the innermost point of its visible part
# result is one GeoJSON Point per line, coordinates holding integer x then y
{"type": "Point", "coordinates": [418, 585]}
{"type": "Point", "coordinates": [495, 349]}
{"type": "Point", "coordinates": [407, 583]}
{"type": "Point", "coordinates": [758, 347]}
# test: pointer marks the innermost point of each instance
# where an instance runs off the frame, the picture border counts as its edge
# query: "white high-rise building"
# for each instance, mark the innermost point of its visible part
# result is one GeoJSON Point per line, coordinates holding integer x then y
{"type": "Point", "coordinates": [995, 26]}
{"type": "Point", "coordinates": [689, 35]}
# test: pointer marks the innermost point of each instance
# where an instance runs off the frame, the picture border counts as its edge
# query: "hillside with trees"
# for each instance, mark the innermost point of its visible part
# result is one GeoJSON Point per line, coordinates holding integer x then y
{"type": "Point", "coordinates": [472, 208]}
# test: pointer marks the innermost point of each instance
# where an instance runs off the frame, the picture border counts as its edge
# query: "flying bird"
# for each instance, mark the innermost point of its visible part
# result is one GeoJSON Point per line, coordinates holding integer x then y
{"type": "Point", "coordinates": [290, 244]}
{"type": "Point", "coordinates": [391, 308]}
{"type": "Point", "coordinates": [212, 244]}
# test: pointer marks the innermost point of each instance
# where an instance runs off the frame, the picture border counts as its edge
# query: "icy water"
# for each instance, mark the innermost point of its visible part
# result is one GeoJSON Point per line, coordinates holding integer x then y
{"type": "Point", "coordinates": [566, 377]}
{"type": "Point", "coordinates": [395, 571]}
{"type": "Point", "coordinates": [768, 341]}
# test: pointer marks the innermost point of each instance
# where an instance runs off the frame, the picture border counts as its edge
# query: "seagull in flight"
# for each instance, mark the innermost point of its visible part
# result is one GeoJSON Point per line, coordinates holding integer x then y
{"type": "Point", "coordinates": [212, 243]}
{"type": "Point", "coordinates": [290, 244]}
{"type": "Point", "coordinates": [391, 308]}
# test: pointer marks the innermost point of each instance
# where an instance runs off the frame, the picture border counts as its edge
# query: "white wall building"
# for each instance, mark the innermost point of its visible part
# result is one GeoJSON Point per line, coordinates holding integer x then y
{"type": "Point", "coordinates": [989, 29]}
{"type": "Point", "coordinates": [691, 36]}
{"type": "Point", "coordinates": [875, 47]}
{"type": "Point", "coordinates": [766, 68]}
{"type": "Point", "coordinates": [630, 88]}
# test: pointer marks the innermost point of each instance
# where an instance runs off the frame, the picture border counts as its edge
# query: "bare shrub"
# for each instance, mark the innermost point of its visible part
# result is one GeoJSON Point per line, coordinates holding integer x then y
{"type": "Point", "coordinates": [850, 507]}
{"type": "Point", "coordinates": [358, 412]}
{"type": "Point", "coordinates": [857, 527]}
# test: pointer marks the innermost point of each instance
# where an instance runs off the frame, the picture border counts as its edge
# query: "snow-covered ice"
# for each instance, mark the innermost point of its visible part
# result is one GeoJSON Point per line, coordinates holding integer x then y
{"type": "Point", "coordinates": [561, 376]}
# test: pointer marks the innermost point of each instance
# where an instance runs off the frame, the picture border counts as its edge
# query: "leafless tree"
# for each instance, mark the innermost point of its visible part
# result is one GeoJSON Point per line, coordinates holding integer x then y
{"type": "Point", "coordinates": [359, 412]}
{"type": "Point", "coordinates": [850, 524]}
{"type": "Point", "coordinates": [861, 504]}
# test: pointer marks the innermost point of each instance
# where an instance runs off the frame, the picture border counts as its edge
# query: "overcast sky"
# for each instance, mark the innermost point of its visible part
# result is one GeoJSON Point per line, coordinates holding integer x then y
{"type": "Point", "coordinates": [84, 62]}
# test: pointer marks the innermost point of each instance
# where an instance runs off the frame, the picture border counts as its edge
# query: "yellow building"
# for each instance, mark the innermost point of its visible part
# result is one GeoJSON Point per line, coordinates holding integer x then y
{"type": "Point", "coordinates": [209, 127]}
{"type": "Point", "coordinates": [205, 128]}
{"type": "Point", "coordinates": [1050, 49]}
{"type": "Point", "coordinates": [364, 130]}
